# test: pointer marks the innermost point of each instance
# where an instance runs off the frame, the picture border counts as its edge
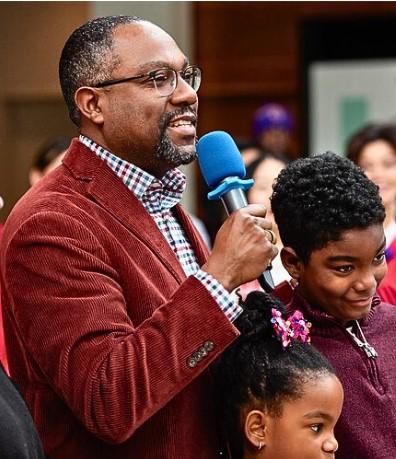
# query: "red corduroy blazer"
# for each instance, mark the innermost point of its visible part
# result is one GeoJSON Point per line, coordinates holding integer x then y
{"type": "Point", "coordinates": [101, 321]}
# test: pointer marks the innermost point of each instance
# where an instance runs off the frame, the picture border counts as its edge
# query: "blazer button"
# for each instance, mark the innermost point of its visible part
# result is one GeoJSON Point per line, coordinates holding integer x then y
{"type": "Point", "coordinates": [202, 352]}
{"type": "Point", "coordinates": [209, 346]}
{"type": "Point", "coordinates": [197, 356]}
{"type": "Point", "coordinates": [191, 362]}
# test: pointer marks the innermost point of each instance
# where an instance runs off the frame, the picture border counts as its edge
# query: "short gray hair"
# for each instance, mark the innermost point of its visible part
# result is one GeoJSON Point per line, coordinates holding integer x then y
{"type": "Point", "coordinates": [86, 58]}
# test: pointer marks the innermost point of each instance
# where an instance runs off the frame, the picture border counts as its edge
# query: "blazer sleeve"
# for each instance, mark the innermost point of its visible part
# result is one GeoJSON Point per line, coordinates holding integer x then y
{"type": "Point", "coordinates": [70, 311]}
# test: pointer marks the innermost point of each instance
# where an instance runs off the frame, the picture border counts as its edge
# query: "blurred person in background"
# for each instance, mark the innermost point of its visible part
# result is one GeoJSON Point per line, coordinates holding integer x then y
{"type": "Point", "coordinates": [249, 151]}
{"type": "Point", "coordinates": [373, 148]}
{"type": "Point", "coordinates": [48, 157]}
{"type": "Point", "coordinates": [272, 127]}
{"type": "Point", "coordinates": [264, 172]}
{"type": "Point", "coordinates": [18, 435]}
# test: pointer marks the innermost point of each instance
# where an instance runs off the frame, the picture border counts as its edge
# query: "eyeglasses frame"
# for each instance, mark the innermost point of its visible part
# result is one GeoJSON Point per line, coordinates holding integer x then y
{"type": "Point", "coordinates": [150, 74]}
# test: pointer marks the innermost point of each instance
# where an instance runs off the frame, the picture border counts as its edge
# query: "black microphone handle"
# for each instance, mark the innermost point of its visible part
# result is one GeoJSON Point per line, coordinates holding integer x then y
{"type": "Point", "coordinates": [266, 281]}
{"type": "Point", "coordinates": [234, 200]}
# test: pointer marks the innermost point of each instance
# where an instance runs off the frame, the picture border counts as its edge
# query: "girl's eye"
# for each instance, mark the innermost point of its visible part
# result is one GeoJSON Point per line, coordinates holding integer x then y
{"type": "Point", "coordinates": [316, 427]}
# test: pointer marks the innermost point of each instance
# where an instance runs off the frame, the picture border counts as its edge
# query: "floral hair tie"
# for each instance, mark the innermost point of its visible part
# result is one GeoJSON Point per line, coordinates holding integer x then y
{"type": "Point", "coordinates": [295, 327]}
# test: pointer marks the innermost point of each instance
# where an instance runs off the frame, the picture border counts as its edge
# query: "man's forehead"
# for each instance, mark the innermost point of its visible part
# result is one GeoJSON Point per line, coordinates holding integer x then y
{"type": "Point", "coordinates": [143, 42]}
{"type": "Point", "coordinates": [141, 33]}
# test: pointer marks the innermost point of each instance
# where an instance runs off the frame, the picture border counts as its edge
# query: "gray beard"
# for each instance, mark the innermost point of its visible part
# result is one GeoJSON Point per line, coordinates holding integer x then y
{"type": "Point", "coordinates": [174, 156]}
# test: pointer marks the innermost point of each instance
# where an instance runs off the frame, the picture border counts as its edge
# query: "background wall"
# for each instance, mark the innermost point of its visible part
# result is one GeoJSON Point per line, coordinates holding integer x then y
{"type": "Point", "coordinates": [32, 35]}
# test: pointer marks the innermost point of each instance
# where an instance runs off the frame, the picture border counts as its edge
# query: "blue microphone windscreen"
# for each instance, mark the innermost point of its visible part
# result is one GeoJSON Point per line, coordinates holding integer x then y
{"type": "Point", "coordinates": [219, 158]}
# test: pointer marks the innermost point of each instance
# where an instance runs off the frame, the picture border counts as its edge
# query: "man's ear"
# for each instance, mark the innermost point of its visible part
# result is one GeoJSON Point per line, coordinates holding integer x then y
{"type": "Point", "coordinates": [255, 429]}
{"type": "Point", "coordinates": [292, 262]}
{"type": "Point", "coordinates": [88, 101]}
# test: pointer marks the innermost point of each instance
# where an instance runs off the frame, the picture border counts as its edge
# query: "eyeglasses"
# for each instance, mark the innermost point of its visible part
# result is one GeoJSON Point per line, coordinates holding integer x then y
{"type": "Point", "coordinates": [164, 80]}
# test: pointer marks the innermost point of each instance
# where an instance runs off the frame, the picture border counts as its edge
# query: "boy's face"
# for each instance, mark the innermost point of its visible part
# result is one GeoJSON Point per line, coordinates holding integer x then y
{"type": "Point", "coordinates": [342, 277]}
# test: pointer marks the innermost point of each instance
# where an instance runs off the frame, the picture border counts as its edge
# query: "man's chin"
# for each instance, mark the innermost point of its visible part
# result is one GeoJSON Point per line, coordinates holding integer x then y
{"type": "Point", "coordinates": [186, 154]}
{"type": "Point", "coordinates": [177, 155]}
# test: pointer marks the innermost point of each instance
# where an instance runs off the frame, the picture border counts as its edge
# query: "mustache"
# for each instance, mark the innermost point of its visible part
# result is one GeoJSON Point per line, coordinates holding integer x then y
{"type": "Point", "coordinates": [167, 117]}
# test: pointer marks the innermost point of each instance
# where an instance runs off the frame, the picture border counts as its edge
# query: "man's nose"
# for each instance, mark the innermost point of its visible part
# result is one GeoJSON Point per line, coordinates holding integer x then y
{"type": "Point", "coordinates": [184, 94]}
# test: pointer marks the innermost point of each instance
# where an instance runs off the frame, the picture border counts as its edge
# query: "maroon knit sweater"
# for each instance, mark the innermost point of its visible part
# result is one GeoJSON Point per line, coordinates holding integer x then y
{"type": "Point", "coordinates": [367, 426]}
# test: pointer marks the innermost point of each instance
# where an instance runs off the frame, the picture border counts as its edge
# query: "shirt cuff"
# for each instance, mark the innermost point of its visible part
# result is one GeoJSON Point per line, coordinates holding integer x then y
{"type": "Point", "coordinates": [227, 302]}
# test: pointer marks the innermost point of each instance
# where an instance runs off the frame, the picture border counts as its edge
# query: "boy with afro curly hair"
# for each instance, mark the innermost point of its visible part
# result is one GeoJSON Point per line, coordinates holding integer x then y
{"type": "Point", "coordinates": [330, 218]}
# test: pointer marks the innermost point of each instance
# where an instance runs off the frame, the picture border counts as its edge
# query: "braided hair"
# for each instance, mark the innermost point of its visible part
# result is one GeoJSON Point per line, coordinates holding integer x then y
{"type": "Point", "coordinates": [257, 372]}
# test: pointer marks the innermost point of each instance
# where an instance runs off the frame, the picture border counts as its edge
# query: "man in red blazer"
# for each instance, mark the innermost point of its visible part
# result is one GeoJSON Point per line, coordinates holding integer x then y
{"type": "Point", "coordinates": [113, 310]}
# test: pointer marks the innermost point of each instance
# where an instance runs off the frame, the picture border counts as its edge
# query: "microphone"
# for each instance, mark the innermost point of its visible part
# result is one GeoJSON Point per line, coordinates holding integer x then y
{"type": "Point", "coordinates": [222, 168]}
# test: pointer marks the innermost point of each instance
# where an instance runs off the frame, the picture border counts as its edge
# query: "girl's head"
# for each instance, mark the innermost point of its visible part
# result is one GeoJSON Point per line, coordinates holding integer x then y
{"type": "Point", "coordinates": [275, 402]}
{"type": "Point", "coordinates": [330, 216]}
{"type": "Point", "coordinates": [373, 148]}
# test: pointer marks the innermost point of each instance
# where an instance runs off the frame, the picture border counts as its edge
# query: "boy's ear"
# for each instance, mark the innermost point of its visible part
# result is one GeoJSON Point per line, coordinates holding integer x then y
{"type": "Point", "coordinates": [88, 101]}
{"type": "Point", "coordinates": [255, 429]}
{"type": "Point", "coordinates": [292, 262]}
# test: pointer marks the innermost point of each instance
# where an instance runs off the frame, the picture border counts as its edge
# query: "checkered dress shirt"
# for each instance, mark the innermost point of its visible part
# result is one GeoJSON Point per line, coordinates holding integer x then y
{"type": "Point", "coordinates": [158, 197]}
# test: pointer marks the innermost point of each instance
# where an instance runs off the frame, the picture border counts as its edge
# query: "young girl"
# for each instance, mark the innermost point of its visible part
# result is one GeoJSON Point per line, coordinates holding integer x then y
{"type": "Point", "coordinates": [278, 398]}
{"type": "Point", "coordinates": [330, 218]}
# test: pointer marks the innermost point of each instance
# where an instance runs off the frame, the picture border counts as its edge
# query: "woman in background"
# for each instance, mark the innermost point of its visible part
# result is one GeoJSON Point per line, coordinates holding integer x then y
{"type": "Point", "coordinates": [264, 171]}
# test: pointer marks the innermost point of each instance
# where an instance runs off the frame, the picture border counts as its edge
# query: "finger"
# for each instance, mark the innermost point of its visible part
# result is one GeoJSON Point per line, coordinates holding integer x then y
{"type": "Point", "coordinates": [255, 210]}
{"type": "Point", "coordinates": [263, 223]}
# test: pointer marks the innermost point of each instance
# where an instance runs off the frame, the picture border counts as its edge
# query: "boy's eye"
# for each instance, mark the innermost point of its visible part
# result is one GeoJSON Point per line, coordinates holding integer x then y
{"type": "Point", "coordinates": [380, 257]}
{"type": "Point", "coordinates": [344, 269]}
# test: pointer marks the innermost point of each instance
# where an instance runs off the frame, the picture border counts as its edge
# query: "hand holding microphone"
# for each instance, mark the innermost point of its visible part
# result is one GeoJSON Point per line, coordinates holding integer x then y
{"type": "Point", "coordinates": [244, 245]}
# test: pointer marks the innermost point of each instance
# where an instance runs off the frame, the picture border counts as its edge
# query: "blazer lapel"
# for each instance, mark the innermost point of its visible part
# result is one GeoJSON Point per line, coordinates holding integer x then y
{"type": "Point", "coordinates": [110, 193]}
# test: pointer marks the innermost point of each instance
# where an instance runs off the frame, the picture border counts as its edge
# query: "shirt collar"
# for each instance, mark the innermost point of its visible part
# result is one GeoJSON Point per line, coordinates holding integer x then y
{"type": "Point", "coordinates": [140, 182]}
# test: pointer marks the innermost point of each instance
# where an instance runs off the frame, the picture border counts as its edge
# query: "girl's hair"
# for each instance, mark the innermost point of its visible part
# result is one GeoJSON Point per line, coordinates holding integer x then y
{"type": "Point", "coordinates": [257, 372]}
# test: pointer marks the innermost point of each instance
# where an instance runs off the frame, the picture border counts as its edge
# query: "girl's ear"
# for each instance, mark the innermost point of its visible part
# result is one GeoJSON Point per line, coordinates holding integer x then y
{"type": "Point", "coordinates": [255, 429]}
{"type": "Point", "coordinates": [292, 262]}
